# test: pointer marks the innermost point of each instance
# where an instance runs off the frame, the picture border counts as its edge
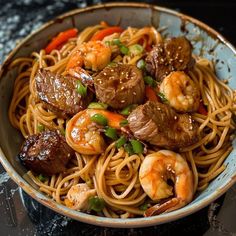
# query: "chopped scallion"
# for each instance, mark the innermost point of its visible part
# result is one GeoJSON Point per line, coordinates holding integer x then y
{"type": "Point", "coordinates": [141, 64]}
{"type": "Point", "coordinates": [129, 149]}
{"type": "Point", "coordinates": [111, 133]}
{"type": "Point", "coordinates": [124, 50]}
{"type": "Point", "coordinates": [99, 119]}
{"type": "Point", "coordinates": [150, 81]}
{"type": "Point", "coordinates": [81, 89]}
{"type": "Point", "coordinates": [135, 49]}
{"type": "Point", "coordinates": [40, 127]}
{"type": "Point", "coordinates": [144, 207]}
{"type": "Point", "coordinates": [162, 97]}
{"type": "Point", "coordinates": [97, 105]}
{"type": "Point", "coordinates": [96, 204]}
{"type": "Point", "coordinates": [116, 42]}
{"type": "Point", "coordinates": [127, 110]}
{"type": "Point", "coordinates": [42, 178]}
{"type": "Point", "coordinates": [121, 141]}
{"type": "Point", "coordinates": [124, 123]}
{"type": "Point", "coordinates": [137, 146]}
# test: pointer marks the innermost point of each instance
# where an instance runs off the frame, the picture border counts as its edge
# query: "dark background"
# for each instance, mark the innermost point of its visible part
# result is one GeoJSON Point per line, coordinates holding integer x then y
{"type": "Point", "coordinates": [20, 215]}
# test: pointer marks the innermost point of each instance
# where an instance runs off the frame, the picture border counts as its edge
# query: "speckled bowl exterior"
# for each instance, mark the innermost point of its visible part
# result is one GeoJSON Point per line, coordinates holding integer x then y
{"type": "Point", "coordinates": [207, 43]}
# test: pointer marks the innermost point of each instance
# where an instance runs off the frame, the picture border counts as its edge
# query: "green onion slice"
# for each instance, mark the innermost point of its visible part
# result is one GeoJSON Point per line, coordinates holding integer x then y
{"type": "Point", "coordinates": [124, 50]}
{"type": "Point", "coordinates": [144, 207]}
{"type": "Point", "coordinates": [99, 119]}
{"type": "Point", "coordinates": [40, 128]}
{"type": "Point", "coordinates": [121, 141]}
{"type": "Point", "coordinates": [141, 64]}
{"type": "Point", "coordinates": [42, 177]}
{"type": "Point", "coordinates": [150, 81]}
{"type": "Point", "coordinates": [136, 49]}
{"type": "Point", "coordinates": [97, 105]}
{"type": "Point", "coordinates": [96, 204]}
{"type": "Point", "coordinates": [81, 89]}
{"type": "Point", "coordinates": [137, 146]}
{"type": "Point", "coordinates": [127, 110]}
{"type": "Point", "coordinates": [128, 148]}
{"type": "Point", "coordinates": [111, 133]}
{"type": "Point", "coordinates": [124, 123]}
{"type": "Point", "coordinates": [162, 97]}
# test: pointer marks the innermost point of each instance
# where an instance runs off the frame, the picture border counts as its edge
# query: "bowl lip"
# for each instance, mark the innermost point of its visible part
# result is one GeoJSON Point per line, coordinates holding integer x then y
{"type": "Point", "coordinates": [97, 220]}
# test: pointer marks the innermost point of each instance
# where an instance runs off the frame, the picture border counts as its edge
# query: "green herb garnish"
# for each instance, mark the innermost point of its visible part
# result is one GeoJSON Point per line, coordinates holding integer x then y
{"type": "Point", "coordinates": [121, 141]}
{"type": "Point", "coordinates": [137, 146]}
{"type": "Point", "coordinates": [162, 97]}
{"type": "Point", "coordinates": [96, 204]}
{"type": "Point", "coordinates": [99, 119]}
{"type": "Point", "coordinates": [111, 133]}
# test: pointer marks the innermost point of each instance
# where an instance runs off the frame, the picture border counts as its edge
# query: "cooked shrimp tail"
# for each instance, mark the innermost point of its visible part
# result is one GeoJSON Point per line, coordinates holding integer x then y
{"type": "Point", "coordinates": [155, 171]}
{"type": "Point", "coordinates": [170, 205]}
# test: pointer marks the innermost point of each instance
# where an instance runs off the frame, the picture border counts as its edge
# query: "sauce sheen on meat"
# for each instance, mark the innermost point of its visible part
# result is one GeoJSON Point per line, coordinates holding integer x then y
{"type": "Point", "coordinates": [171, 55]}
{"type": "Point", "coordinates": [160, 125]}
{"type": "Point", "coordinates": [59, 93]}
{"type": "Point", "coordinates": [120, 85]}
{"type": "Point", "coordinates": [46, 153]}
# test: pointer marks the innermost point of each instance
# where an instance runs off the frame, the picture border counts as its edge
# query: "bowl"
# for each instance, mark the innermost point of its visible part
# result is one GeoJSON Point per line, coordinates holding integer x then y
{"type": "Point", "coordinates": [207, 43]}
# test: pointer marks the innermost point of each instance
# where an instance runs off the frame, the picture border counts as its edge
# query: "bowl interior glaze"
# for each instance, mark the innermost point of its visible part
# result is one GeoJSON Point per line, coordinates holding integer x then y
{"type": "Point", "coordinates": [207, 43]}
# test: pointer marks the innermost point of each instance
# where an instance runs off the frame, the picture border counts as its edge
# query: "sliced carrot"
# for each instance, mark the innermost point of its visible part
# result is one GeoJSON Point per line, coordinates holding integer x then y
{"type": "Point", "coordinates": [148, 47]}
{"type": "Point", "coordinates": [151, 94]}
{"type": "Point", "coordinates": [114, 119]}
{"type": "Point", "coordinates": [60, 39]}
{"type": "Point", "coordinates": [100, 35]}
{"type": "Point", "coordinates": [202, 109]}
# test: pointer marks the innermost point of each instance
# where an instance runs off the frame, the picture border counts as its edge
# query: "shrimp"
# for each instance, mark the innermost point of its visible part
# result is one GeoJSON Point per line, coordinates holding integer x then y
{"type": "Point", "coordinates": [181, 92]}
{"type": "Point", "coordinates": [83, 136]}
{"type": "Point", "coordinates": [156, 169]}
{"type": "Point", "coordinates": [93, 55]}
{"type": "Point", "coordinates": [78, 196]}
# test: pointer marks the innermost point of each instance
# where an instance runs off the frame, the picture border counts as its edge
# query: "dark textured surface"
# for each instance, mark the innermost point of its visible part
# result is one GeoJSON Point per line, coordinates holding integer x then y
{"type": "Point", "coordinates": [20, 215]}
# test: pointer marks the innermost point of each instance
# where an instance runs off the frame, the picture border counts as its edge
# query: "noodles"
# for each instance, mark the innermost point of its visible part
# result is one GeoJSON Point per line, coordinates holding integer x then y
{"type": "Point", "coordinates": [114, 174]}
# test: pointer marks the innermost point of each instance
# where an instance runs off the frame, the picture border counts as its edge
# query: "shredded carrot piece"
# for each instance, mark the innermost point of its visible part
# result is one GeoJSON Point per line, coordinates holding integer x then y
{"type": "Point", "coordinates": [151, 94]}
{"type": "Point", "coordinates": [60, 39]}
{"type": "Point", "coordinates": [100, 35]}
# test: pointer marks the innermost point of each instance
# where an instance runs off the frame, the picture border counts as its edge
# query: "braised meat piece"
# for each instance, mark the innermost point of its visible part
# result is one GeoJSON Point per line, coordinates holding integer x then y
{"type": "Point", "coordinates": [46, 153]}
{"type": "Point", "coordinates": [160, 125]}
{"type": "Point", "coordinates": [59, 93]}
{"type": "Point", "coordinates": [120, 85]}
{"type": "Point", "coordinates": [171, 55]}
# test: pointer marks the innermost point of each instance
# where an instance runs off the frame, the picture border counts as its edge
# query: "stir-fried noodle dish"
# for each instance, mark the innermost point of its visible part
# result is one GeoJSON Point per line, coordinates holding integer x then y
{"type": "Point", "coordinates": [121, 122]}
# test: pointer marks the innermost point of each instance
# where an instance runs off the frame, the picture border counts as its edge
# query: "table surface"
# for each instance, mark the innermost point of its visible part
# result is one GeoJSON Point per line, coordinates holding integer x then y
{"type": "Point", "coordinates": [20, 215]}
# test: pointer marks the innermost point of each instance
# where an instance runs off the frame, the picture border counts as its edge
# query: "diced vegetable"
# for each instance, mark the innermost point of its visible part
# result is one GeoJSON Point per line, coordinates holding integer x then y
{"type": "Point", "coordinates": [137, 146]}
{"type": "Point", "coordinates": [129, 149]}
{"type": "Point", "coordinates": [127, 110]}
{"type": "Point", "coordinates": [96, 204]}
{"type": "Point", "coordinates": [121, 141]}
{"type": "Point", "coordinates": [136, 49]}
{"type": "Point", "coordinates": [150, 94]}
{"type": "Point", "coordinates": [162, 97]}
{"type": "Point", "coordinates": [144, 207]}
{"type": "Point", "coordinates": [124, 50]}
{"type": "Point", "coordinates": [116, 42]}
{"type": "Point", "coordinates": [99, 119]}
{"type": "Point", "coordinates": [100, 35]}
{"type": "Point", "coordinates": [111, 133]}
{"type": "Point", "coordinates": [141, 64]}
{"type": "Point", "coordinates": [150, 81]}
{"type": "Point", "coordinates": [62, 131]}
{"type": "Point", "coordinates": [81, 89]}
{"type": "Point", "coordinates": [40, 127]}
{"type": "Point", "coordinates": [97, 105]}
{"type": "Point", "coordinates": [42, 178]}
{"type": "Point", "coordinates": [60, 39]}
{"type": "Point", "coordinates": [124, 123]}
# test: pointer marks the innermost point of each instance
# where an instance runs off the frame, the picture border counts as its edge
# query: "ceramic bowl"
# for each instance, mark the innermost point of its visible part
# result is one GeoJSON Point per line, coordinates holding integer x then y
{"type": "Point", "coordinates": [207, 43]}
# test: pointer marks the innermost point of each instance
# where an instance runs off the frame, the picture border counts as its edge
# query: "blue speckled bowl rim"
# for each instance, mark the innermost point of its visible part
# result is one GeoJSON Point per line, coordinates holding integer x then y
{"type": "Point", "coordinates": [103, 221]}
